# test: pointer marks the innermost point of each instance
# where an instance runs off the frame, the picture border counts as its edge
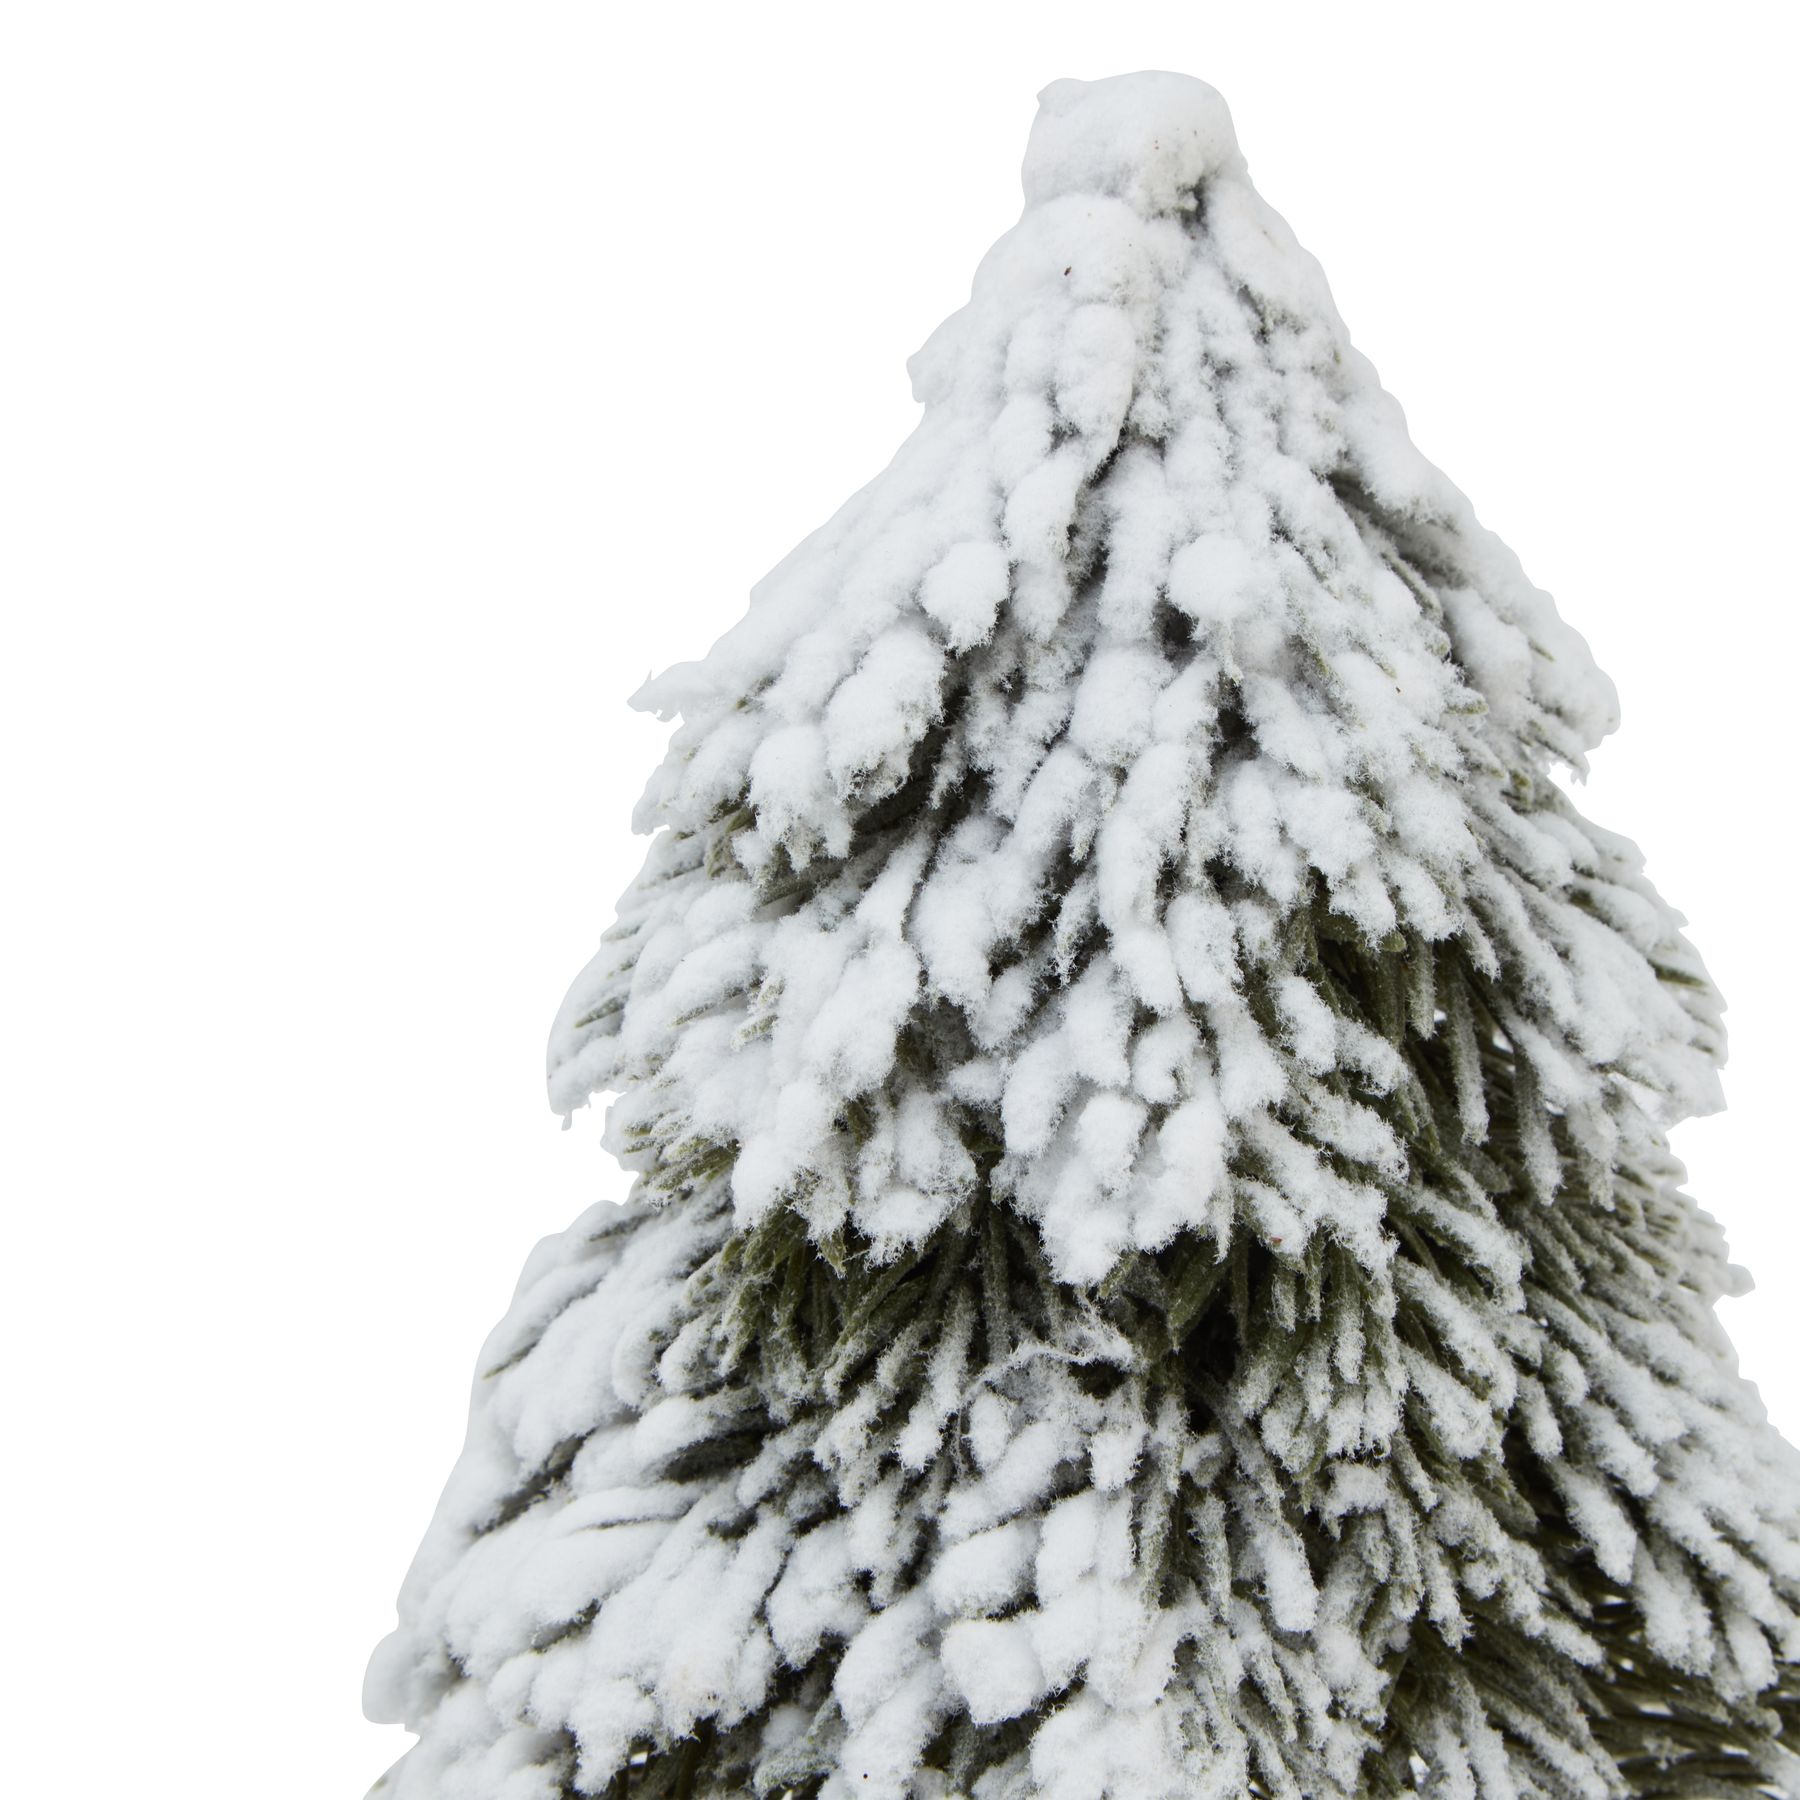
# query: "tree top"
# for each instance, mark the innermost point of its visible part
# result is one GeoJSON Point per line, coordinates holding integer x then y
{"type": "Point", "coordinates": [1147, 139]}
{"type": "Point", "coordinates": [1016, 808]}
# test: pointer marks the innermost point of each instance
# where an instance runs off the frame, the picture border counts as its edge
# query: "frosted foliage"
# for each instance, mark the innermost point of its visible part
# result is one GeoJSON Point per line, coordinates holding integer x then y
{"type": "Point", "coordinates": [1164, 612]}
{"type": "Point", "coordinates": [1155, 1271]}
{"type": "Point", "coordinates": [844, 1579]}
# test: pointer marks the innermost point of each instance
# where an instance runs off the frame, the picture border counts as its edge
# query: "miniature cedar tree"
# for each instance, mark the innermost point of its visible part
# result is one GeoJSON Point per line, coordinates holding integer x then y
{"type": "Point", "coordinates": [1155, 1269]}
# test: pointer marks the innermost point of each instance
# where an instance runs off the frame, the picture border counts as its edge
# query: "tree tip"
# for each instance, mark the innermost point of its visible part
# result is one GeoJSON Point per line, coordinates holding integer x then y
{"type": "Point", "coordinates": [1148, 139]}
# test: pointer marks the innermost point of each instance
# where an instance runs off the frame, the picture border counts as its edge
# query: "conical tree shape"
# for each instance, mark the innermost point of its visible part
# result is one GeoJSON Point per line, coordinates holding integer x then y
{"type": "Point", "coordinates": [1155, 1269]}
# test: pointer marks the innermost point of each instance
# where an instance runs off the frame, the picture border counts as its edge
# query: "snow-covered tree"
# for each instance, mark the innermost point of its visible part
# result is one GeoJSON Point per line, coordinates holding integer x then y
{"type": "Point", "coordinates": [1155, 1268]}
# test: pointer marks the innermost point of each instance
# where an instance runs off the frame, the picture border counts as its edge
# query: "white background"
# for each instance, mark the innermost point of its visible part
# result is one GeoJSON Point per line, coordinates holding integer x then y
{"type": "Point", "coordinates": [386, 388]}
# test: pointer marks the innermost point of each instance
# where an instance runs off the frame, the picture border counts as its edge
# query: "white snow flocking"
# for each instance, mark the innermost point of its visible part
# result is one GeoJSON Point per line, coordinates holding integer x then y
{"type": "Point", "coordinates": [1158, 591]}
{"type": "Point", "coordinates": [1115, 973]}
